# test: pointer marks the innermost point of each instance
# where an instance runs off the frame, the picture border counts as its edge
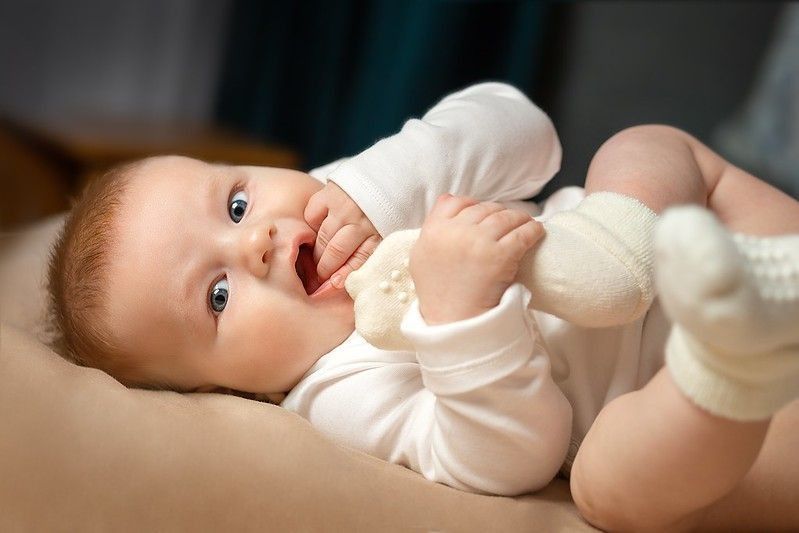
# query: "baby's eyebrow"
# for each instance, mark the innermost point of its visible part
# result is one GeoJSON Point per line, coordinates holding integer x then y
{"type": "Point", "coordinates": [212, 187]}
{"type": "Point", "coordinates": [212, 192]}
{"type": "Point", "coordinates": [189, 312]}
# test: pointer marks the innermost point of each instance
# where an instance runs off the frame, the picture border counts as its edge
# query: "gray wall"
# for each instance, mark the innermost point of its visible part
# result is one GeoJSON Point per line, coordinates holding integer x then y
{"type": "Point", "coordinates": [689, 64]}
{"type": "Point", "coordinates": [148, 59]}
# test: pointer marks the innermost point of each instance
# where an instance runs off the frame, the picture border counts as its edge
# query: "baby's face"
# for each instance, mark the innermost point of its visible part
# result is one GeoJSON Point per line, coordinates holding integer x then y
{"type": "Point", "coordinates": [203, 282]}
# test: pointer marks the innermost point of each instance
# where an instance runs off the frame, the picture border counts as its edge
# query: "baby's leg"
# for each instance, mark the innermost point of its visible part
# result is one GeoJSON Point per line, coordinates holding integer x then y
{"type": "Point", "coordinates": [652, 163]}
{"type": "Point", "coordinates": [654, 458]}
{"type": "Point", "coordinates": [594, 266]}
{"type": "Point", "coordinates": [653, 461]}
{"type": "Point", "coordinates": [681, 459]}
{"type": "Point", "coordinates": [765, 499]}
{"type": "Point", "coordinates": [662, 166]}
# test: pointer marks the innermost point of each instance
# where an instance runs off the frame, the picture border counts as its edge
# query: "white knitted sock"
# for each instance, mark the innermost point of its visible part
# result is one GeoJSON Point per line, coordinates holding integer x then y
{"type": "Point", "coordinates": [594, 266]}
{"type": "Point", "coordinates": [734, 349]}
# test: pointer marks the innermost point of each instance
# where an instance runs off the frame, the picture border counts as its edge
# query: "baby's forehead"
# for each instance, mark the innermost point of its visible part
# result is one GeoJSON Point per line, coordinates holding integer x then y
{"type": "Point", "coordinates": [165, 180]}
{"type": "Point", "coordinates": [157, 228]}
{"type": "Point", "coordinates": [165, 196]}
{"type": "Point", "coordinates": [172, 161]}
{"type": "Point", "coordinates": [171, 166]}
{"type": "Point", "coordinates": [149, 261]}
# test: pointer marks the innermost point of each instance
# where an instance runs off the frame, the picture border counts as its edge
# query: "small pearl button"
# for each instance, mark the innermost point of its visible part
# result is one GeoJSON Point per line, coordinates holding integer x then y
{"type": "Point", "coordinates": [402, 297]}
{"type": "Point", "coordinates": [384, 286]}
{"type": "Point", "coordinates": [395, 275]}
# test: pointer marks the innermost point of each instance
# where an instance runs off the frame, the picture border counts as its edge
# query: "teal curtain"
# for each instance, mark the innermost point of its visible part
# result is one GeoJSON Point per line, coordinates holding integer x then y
{"type": "Point", "coordinates": [331, 78]}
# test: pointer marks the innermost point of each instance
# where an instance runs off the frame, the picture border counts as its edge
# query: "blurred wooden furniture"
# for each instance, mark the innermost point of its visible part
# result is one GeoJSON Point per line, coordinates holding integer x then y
{"type": "Point", "coordinates": [32, 182]}
{"type": "Point", "coordinates": [43, 163]}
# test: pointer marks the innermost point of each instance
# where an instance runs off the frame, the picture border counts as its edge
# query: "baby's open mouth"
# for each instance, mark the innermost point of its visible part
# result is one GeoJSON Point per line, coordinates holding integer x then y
{"type": "Point", "coordinates": [306, 269]}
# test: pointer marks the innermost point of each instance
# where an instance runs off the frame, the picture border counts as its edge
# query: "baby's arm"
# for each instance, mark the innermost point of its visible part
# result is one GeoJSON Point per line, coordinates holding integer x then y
{"type": "Point", "coordinates": [479, 411]}
{"type": "Point", "coordinates": [487, 141]}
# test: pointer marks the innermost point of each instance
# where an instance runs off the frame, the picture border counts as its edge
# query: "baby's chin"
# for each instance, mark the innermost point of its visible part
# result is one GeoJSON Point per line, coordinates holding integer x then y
{"type": "Point", "coordinates": [341, 308]}
{"type": "Point", "coordinates": [349, 305]}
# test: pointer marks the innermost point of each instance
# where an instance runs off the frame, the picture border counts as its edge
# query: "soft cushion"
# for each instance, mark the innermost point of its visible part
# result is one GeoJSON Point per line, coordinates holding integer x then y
{"type": "Point", "coordinates": [79, 451]}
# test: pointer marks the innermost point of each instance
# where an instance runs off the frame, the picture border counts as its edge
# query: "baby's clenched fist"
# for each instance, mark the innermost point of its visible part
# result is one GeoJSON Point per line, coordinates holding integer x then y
{"type": "Point", "coordinates": [345, 237]}
{"type": "Point", "coordinates": [467, 255]}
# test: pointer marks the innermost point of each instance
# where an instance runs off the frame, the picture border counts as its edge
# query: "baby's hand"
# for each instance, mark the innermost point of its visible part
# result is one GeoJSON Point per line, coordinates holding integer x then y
{"type": "Point", "coordinates": [467, 255]}
{"type": "Point", "coordinates": [345, 238]}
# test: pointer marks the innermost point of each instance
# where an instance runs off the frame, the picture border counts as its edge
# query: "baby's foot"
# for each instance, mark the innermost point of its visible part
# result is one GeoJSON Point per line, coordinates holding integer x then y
{"type": "Point", "coordinates": [594, 266]}
{"type": "Point", "coordinates": [734, 292]}
{"type": "Point", "coordinates": [734, 348]}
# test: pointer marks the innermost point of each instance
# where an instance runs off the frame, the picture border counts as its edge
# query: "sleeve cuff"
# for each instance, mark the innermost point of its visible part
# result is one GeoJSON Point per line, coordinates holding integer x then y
{"type": "Point", "coordinates": [321, 173]}
{"type": "Point", "coordinates": [380, 212]}
{"type": "Point", "coordinates": [472, 353]}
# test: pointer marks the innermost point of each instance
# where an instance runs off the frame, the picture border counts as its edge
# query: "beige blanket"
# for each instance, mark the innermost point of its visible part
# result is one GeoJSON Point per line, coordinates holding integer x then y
{"type": "Point", "coordinates": [79, 451]}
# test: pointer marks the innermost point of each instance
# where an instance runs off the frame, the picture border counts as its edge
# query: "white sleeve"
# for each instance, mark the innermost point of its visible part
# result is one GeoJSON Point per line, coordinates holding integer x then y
{"type": "Point", "coordinates": [484, 415]}
{"type": "Point", "coordinates": [488, 141]}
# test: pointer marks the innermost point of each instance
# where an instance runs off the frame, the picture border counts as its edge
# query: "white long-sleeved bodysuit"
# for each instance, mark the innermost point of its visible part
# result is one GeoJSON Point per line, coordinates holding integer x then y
{"type": "Point", "coordinates": [497, 403]}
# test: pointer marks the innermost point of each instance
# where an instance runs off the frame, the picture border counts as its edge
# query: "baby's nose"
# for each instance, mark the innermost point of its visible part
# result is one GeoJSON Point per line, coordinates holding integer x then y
{"type": "Point", "coordinates": [257, 247]}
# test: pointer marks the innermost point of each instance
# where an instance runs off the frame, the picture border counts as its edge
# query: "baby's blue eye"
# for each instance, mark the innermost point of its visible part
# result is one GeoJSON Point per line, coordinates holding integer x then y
{"type": "Point", "coordinates": [237, 207]}
{"type": "Point", "coordinates": [219, 295]}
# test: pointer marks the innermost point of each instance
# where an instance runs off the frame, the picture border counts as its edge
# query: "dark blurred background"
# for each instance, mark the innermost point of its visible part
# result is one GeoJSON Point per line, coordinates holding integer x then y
{"type": "Point", "coordinates": [89, 83]}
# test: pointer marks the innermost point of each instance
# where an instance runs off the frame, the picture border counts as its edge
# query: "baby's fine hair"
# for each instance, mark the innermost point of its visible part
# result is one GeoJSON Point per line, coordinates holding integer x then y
{"type": "Point", "coordinates": [78, 278]}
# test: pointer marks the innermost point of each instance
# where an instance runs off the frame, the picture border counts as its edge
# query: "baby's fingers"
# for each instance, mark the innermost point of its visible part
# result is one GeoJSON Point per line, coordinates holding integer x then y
{"type": "Point", "coordinates": [324, 234]}
{"type": "Point", "coordinates": [447, 206]}
{"type": "Point", "coordinates": [339, 249]}
{"type": "Point", "coordinates": [499, 223]}
{"type": "Point", "coordinates": [356, 261]}
{"type": "Point", "coordinates": [524, 237]}
{"type": "Point", "coordinates": [317, 209]}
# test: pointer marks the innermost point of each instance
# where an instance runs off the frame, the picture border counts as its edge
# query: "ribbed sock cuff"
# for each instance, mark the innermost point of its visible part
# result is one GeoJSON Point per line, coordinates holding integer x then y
{"type": "Point", "coordinates": [713, 383]}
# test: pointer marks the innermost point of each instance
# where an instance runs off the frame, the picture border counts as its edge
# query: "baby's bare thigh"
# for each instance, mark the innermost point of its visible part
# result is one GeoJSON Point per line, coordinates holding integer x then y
{"type": "Point", "coordinates": [766, 497]}
{"type": "Point", "coordinates": [749, 205]}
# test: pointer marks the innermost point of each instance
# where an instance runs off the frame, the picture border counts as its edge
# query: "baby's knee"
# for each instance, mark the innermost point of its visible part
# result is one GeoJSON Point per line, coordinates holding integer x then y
{"type": "Point", "coordinates": [604, 496]}
{"type": "Point", "coordinates": [604, 509]}
{"type": "Point", "coordinates": [634, 137]}
{"type": "Point", "coordinates": [608, 508]}
{"type": "Point", "coordinates": [599, 507]}
{"type": "Point", "coordinates": [659, 155]}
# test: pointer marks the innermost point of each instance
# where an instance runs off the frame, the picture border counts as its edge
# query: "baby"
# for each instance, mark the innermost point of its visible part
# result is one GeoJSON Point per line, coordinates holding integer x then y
{"type": "Point", "coordinates": [178, 274]}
